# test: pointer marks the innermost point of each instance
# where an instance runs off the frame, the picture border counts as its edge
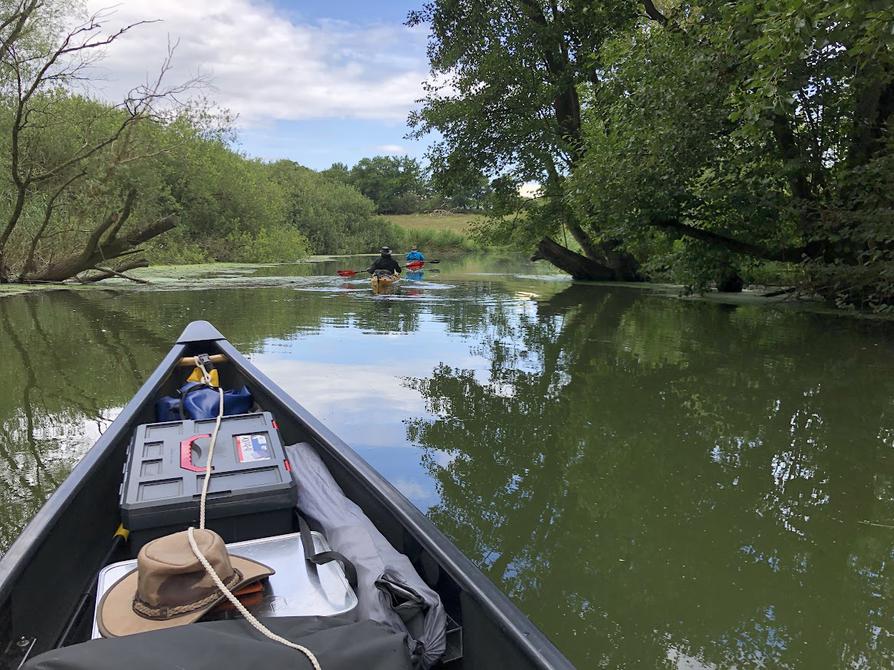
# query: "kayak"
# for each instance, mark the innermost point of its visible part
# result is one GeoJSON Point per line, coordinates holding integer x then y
{"type": "Point", "coordinates": [383, 282]}
{"type": "Point", "coordinates": [49, 575]}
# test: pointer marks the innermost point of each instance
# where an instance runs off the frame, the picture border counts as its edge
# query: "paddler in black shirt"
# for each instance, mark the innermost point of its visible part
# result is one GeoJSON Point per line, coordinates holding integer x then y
{"type": "Point", "coordinates": [385, 262]}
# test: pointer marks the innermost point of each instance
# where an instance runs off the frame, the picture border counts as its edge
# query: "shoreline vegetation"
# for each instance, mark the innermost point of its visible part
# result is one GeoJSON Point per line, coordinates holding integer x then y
{"type": "Point", "coordinates": [93, 190]}
{"type": "Point", "coordinates": [709, 143]}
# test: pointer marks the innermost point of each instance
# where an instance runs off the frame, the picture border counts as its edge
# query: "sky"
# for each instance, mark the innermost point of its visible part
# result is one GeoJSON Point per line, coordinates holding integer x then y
{"type": "Point", "coordinates": [313, 81]}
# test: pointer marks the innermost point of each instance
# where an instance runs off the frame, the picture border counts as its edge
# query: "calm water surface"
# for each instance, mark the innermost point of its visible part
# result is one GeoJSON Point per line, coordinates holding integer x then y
{"type": "Point", "coordinates": [656, 482]}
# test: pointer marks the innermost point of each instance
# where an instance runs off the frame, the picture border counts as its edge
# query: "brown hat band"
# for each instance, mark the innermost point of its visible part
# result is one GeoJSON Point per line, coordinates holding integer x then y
{"type": "Point", "coordinates": [144, 609]}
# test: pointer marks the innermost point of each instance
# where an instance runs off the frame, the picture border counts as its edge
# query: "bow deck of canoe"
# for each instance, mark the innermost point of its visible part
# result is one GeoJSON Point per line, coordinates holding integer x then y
{"type": "Point", "coordinates": [48, 576]}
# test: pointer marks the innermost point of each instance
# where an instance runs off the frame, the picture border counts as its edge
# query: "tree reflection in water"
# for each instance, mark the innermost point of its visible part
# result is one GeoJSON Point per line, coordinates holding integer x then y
{"type": "Point", "coordinates": [660, 483]}
{"type": "Point", "coordinates": [64, 378]}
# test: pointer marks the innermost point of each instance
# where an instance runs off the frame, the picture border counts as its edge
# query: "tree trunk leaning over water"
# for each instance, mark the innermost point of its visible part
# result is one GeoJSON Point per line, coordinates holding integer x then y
{"type": "Point", "coordinates": [38, 70]}
{"type": "Point", "coordinates": [532, 49]}
{"type": "Point", "coordinates": [117, 271]}
{"type": "Point", "coordinates": [104, 245]}
{"type": "Point", "coordinates": [578, 266]}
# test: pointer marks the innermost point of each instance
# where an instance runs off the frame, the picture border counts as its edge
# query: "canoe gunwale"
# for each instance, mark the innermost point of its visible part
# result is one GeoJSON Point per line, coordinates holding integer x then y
{"type": "Point", "coordinates": [32, 536]}
{"type": "Point", "coordinates": [461, 569]}
{"type": "Point", "coordinates": [202, 337]}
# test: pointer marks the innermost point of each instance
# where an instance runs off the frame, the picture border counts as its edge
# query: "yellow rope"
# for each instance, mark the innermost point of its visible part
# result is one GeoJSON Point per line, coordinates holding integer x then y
{"type": "Point", "coordinates": [257, 625]}
{"type": "Point", "coordinates": [261, 628]}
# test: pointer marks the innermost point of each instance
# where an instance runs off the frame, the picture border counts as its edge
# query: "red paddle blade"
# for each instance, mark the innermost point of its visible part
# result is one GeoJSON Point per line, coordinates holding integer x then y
{"type": "Point", "coordinates": [346, 273]}
{"type": "Point", "coordinates": [415, 265]}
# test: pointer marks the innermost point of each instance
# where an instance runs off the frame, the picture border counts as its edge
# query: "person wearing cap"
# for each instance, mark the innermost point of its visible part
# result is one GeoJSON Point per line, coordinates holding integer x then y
{"type": "Point", "coordinates": [384, 263]}
{"type": "Point", "coordinates": [414, 254]}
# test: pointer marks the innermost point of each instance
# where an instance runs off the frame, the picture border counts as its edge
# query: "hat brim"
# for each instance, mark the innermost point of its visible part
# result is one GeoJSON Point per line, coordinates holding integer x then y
{"type": "Point", "coordinates": [115, 615]}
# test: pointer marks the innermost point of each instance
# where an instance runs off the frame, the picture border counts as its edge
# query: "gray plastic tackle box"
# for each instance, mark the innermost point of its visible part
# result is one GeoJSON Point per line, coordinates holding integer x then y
{"type": "Point", "coordinates": [251, 492]}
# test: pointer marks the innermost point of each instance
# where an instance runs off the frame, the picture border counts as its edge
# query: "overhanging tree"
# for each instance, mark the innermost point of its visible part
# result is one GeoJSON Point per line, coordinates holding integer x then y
{"type": "Point", "coordinates": [697, 137]}
{"type": "Point", "coordinates": [760, 130]}
{"type": "Point", "coordinates": [505, 97]}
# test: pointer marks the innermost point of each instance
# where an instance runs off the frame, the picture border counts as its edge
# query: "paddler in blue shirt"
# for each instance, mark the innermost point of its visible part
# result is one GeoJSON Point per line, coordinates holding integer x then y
{"type": "Point", "coordinates": [415, 254]}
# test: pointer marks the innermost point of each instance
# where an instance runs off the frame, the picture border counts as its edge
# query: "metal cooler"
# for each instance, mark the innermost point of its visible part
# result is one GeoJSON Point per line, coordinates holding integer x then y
{"type": "Point", "coordinates": [297, 589]}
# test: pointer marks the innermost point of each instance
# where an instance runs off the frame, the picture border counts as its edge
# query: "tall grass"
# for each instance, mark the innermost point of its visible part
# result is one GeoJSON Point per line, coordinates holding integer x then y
{"type": "Point", "coordinates": [429, 240]}
{"type": "Point", "coordinates": [457, 223]}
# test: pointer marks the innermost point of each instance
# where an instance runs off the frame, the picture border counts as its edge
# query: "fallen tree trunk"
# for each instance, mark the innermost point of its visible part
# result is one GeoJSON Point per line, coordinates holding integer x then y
{"type": "Point", "coordinates": [117, 271]}
{"type": "Point", "coordinates": [575, 264]}
{"type": "Point", "coordinates": [102, 253]}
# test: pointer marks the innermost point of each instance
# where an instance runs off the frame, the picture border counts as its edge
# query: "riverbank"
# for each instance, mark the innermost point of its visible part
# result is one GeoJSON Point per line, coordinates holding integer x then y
{"type": "Point", "coordinates": [155, 274]}
{"type": "Point", "coordinates": [433, 233]}
{"type": "Point", "coordinates": [454, 223]}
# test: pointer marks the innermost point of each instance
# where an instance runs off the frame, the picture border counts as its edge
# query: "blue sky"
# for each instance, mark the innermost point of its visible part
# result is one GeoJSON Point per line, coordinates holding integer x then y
{"type": "Point", "coordinates": [312, 81]}
{"type": "Point", "coordinates": [391, 11]}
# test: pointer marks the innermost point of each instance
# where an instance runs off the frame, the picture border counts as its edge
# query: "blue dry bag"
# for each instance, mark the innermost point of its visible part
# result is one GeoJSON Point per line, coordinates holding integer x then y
{"type": "Point", "coordinates": [198, 401]}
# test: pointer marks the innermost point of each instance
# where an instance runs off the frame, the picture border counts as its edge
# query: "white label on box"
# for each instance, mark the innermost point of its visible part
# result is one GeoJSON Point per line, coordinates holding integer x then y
{"type": "Point", "coordinates": [250, 448]}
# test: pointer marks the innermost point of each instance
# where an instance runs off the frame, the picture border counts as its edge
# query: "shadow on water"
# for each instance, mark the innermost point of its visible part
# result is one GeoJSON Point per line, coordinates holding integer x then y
{"type": "Point", "coordinates": [662, 484]}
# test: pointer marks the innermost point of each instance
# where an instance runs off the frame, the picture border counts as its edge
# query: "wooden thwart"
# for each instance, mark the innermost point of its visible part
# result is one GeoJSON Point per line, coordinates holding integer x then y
{"type": "Point", "coordinates": [190, 361]}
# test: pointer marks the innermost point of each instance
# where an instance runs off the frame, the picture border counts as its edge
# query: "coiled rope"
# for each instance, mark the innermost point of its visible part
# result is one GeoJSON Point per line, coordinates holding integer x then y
{"type": "Point", "coordinates": [257, 625]}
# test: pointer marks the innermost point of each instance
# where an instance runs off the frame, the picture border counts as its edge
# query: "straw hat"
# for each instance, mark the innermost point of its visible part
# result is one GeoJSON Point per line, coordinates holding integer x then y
{"type": "Point", "coordinates": [170, 587]}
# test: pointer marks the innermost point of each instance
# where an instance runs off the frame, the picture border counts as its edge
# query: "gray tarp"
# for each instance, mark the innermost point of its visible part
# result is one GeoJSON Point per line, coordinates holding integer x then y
{"type": "Point", "coordinates": [337, 644]}
{"type": "Point", "coordinates": [389, 589]}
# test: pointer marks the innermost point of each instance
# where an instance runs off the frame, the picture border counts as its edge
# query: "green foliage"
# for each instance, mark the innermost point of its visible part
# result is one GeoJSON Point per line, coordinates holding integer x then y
{"type": "Point", "coordinates": [83, 182]}
{"type": "Point", "coordinates": [337, 172]}
{"type": "Point", "coordinates": [430, 240]}
{"type": "Point", "coordinates": [400, 186]}
{"type": "Point", "coordinates": [395, 184]}
{"type": "Point", "coordinates": [758, 132]}
{"type": "Point", "coordinates": [498, 83]}
{"type": "Point", "coordinates": [229, 207]}
{"type": "Point", "coordinates": [780, 154]}
{"type": "Point", "coordinates": [270, 245]}
{"type": "Point", "coordinates": [333, 216]}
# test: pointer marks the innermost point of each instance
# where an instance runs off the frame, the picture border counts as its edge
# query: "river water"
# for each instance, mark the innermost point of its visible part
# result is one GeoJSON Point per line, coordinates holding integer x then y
{"type": "Point", "coordinates": [656, 482]}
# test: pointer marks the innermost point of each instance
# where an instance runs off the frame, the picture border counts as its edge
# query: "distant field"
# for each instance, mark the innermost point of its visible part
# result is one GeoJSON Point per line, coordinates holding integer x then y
{"type": "Point", "coordinates": [455, 223]}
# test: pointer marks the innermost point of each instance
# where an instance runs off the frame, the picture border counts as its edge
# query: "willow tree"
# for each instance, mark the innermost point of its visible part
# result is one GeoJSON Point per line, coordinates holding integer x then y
{"type": "Point", "coordinates": [504, 97]}
{"type": "Point", "coordinates": [58, 149]}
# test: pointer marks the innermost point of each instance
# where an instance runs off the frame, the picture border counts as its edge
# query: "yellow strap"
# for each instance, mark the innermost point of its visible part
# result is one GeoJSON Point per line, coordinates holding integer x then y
{"type": "Point", "coordinates": [122, 532]}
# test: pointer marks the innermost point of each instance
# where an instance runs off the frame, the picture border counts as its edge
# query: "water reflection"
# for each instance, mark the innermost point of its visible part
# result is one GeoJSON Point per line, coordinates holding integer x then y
{"type": "Point", "coordinates": [63, 383]}
{"type": "Point", "coordinates": [70, 360]}
{"type": "Point", "coordinates": [662, 484]}
{"type": "Point", "coordinates": [657, 483]}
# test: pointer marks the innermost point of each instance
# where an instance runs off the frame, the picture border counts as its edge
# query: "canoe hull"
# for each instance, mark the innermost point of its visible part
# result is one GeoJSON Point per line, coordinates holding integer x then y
{"type": "Point", "coordinates": [53, 564]}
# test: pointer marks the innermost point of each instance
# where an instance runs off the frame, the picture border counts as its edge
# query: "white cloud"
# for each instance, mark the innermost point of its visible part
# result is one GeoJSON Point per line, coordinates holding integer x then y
{"type": "Point", "coordinates": [391, 149]}
{"type": "Point", "coordinates": [264, 66]}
